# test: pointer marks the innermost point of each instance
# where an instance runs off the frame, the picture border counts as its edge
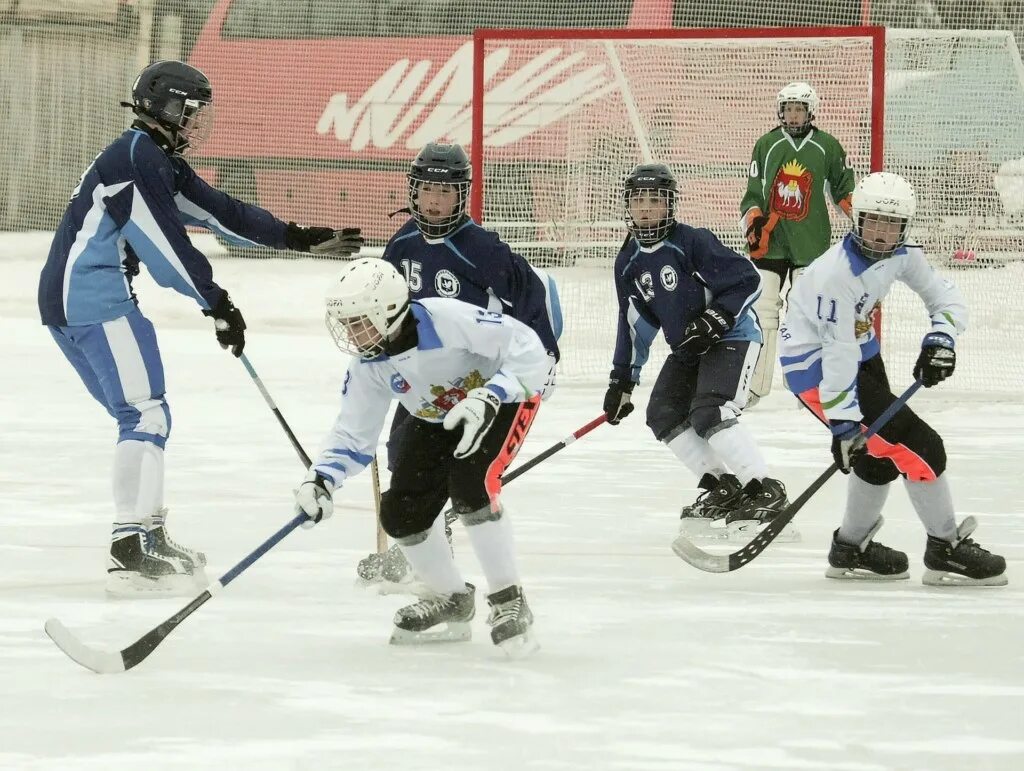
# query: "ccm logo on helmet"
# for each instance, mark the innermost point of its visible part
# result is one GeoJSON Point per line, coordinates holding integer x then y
{"type": "Point", "coordinates": [437, 171]}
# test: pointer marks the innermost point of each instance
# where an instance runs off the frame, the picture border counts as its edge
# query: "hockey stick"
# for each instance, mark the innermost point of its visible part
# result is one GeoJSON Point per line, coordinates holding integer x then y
{"type": "Point", "coordinates": [273, 408]}
{"type": "Point", "coordinates": [725, 563]}
{"type": "Point", "coordinates": [554, 448]}
{"type": "Point", "coordinates": [382, 537]}
{"type": "Point", "coordinates": [106, 662]}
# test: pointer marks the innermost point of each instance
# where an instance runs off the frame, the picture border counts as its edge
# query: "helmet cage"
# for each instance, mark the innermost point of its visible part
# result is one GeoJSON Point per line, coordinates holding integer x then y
{"type": "Point", "coordinates": [446, 224]}
{"type": "Point", "coordinates": [650, 233]}
{"type": "Point", "coordinates": [888, 223]}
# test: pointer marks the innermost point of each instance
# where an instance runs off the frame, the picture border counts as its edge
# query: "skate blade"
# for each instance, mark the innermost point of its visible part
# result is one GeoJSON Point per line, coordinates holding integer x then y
{"type": "Point", "coordinates": [858, 574]}
{"type": "Point", "coordinates": [521, 646]}
{"type": "Point", "coordinates": [453, 631]}
{"type": "Point", "coordinates": [744, 530]}
{"type": "Point", "coordinates": [132, 586]}
{"type": "Point", "coordinates": [700, 529]}
{"type": "Point", "coordinates": [944, 578]}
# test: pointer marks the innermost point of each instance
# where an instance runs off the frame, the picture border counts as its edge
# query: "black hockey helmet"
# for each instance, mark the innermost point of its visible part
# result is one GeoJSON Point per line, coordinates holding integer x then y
{"type": "Point", "coordinates": [655, 181]}
{"type": "Point", "coordinates": [178, 97]}
{"type": "Point", "coordinates": [440, 164]}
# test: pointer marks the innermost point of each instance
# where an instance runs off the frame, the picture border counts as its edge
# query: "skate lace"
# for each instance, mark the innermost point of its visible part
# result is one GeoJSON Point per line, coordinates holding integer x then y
{"type": "Point", "coordinates": [507, 611]}
{"type": "Point", "coordinates": [974, 545]}
{"type": "Point", "coordinates": [425, 608]}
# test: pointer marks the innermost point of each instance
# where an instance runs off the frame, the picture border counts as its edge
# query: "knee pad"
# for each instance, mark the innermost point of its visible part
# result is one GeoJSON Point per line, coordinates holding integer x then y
{"type": "Point", "coordinates": [666, 419]}
{"type": "Point", "coordinates": [403, 516]}
{"type": "Point", "coordinates": [477, 517]}
{"type": "Point", "coordinates": [710, 414]}
{"type": "Point", "coordinates": [769, 303]}
{"type": "Point", "coordinates": [148, 420]}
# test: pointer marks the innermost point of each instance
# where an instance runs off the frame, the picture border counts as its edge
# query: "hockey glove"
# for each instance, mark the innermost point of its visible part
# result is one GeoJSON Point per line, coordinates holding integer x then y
{"type": "Point", "coordinates": [759, 230]}
{"type": "Point", "coordinates": [937, 360]}
{"type": "Point", "coordinates": [313, 498]}
{"type": "Point", "coordinates": [848, 443]}
{"type": "Point", "coordinates": [475, 414]}
{"type": "Point", "coordinates": [616, 399]}
{"type": "Point", "coordinates": [326, 241]}
{"type": "Point", "coordinates": [703, 332]}
{"type": "Point", "coordinates": [229, 325]}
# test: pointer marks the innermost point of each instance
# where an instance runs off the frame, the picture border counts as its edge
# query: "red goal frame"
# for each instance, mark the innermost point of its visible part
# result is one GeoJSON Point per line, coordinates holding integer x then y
{"type": "Point", "coordinates": [482, 36]}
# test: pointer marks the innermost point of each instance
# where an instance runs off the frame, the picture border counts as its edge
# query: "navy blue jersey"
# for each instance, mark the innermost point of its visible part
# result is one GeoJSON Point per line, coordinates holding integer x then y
{"type": "Point", "coordinates": [477, 267]}
{"type": "Point", "coordinates": [668, 285]}
{"type": "Point", "coordinates": [132, 205]}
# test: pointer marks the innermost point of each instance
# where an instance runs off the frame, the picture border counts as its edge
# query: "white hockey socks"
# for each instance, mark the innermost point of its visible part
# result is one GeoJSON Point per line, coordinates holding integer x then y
{"type": "Point", "coordinates": [138, 480]}
{"type": "Point", "coordinates": [933, 503]}
{"type": "Point", "coordinates": [736, 446]}
{"type": "Point", "coordinates": [491, 537]}
{"type": "Point", "coordinates": [864, 502]}
{"type": "Point", "coordinates": [431, 558]}
{"type": "Point", "coordinates": [696, 454]}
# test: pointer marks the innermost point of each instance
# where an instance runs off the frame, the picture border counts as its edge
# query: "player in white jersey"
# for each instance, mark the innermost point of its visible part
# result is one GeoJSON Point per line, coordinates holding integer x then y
{"type": "Point", "coordinates": [830, 359]}
{"type": "Point", "coordinates": [471, 379]}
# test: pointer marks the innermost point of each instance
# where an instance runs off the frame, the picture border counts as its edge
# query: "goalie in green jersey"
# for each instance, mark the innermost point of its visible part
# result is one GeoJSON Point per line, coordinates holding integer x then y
{"type": "Point", "coordinates": [794, 169]}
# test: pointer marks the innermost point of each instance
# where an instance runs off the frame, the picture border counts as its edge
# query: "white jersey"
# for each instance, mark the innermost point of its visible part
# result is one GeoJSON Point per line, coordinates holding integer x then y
{"type": "Point", "coordinates": [460, 347]}
{"type": "Point", "coordinates": [828, 330]}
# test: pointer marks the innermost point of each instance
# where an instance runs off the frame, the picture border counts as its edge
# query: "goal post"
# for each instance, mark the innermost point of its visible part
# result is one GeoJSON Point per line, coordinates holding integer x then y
{"type": "Point", "coordinates": [552, 143]}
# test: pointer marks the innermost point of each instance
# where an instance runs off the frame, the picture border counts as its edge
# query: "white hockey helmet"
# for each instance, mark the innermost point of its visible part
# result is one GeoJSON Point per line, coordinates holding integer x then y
{"type": "Point", "coordinates": [798, 92]}
{"type": "Point", "coordinates": [366, 305]}
{"type": "Point", "coordinates": [891, 200]}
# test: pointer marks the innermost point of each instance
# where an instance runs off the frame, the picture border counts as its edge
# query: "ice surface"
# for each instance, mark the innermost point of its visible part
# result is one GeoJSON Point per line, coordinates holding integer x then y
{"type": "Point", "coordinates": [646, 662]}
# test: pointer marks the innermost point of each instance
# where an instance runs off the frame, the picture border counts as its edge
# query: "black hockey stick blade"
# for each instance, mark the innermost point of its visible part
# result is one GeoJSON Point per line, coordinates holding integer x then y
{"type": "Point", "coordinates": [725, 563]}
{"type": "Point", "coordinates": [109, 663]}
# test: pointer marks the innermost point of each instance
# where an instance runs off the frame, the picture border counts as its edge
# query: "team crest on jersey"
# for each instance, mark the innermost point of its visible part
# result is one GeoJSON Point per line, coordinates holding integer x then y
{"type": "Point", "coordinates": [861, 328]}
{"type": "Point", "coordinates": [446, 397]}
{"type": "Point", "coordinates": [791, 192]}
{"type": "Point", "coordinates": [669, 278]}
{"type": "Point", "coordinates": [399, 384]}
{"type": "Point", "coordinates": [446, 284]}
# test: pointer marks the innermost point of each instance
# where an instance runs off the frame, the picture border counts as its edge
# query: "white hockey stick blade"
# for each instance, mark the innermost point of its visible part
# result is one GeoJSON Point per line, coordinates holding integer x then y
{"type": "Point", "coordinates": [710, 563]}
{"type": "Point", "coordinates": [101, 662]}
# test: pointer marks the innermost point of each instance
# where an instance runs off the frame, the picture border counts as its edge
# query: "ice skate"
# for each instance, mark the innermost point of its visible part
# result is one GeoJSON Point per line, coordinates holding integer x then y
{"type": "Point", "coordinates": [441, 618]}
{"type": "Point", "coordinates": [720, 497]}
{"type": "Point", "coordinates": [511, 623]}
{"type": "Point", "coordinates": [962, 562]}
{"type": "Point", "coordinates": [763, 500]}
{"type": "Point", "coordinates": [142, 567]}
{"type": "Point", "coordinates": [867, 560]}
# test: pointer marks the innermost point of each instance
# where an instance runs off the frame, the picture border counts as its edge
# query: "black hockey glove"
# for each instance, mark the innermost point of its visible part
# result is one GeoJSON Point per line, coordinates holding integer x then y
{"type": "Point", "coordinates": [616, 399]}
{"type": "Point", "coordinates": [755, 231]}
{"type": "Point", "coordinates": [848, 443]}
{"type": "Point", "coordinates": [326, 241]}
{"type": "Point", "coordinates": [229, 325]}
{"type": "Point", "coordinates": [937, 360]}
{"type": "Point", "coordinates": [703, 332]}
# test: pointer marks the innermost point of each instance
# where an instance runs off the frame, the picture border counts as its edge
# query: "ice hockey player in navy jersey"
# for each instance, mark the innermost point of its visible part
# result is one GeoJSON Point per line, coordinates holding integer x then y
{"type": "Point", "coordinates": [471, 379]}
{"type": "Point", "coordinates": [131, 206]}
{"type": "Point", "coordinates": [831, 361]}
{"type": "Point", "coordinates": [682, 280]}
{"type": "Point", "coordinates": [442, 252]}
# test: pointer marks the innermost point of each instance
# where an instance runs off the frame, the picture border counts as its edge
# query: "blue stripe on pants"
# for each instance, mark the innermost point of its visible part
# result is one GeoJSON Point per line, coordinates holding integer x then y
{"type": "Point", "coordinates": [119, 363]}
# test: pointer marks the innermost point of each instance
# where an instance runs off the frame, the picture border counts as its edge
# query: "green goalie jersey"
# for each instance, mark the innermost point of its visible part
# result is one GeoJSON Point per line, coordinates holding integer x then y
{"type": "Point", "coordinates": [792, 177]}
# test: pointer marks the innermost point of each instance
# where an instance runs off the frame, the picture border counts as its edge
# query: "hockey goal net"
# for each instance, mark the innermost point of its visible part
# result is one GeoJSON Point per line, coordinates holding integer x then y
{"type": "Point", "coordinates": [552, 148]}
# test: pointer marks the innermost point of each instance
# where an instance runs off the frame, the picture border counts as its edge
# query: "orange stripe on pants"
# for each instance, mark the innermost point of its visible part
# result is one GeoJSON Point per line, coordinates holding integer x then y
{"type": "Point", "coordinates": [907, 461]}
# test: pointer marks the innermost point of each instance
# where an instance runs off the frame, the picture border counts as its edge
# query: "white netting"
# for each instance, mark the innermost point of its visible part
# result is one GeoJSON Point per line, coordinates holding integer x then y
{"type": "Point", "coordinates": [952, 127]}
{"type": "Point", "coordinates": [553, 187]}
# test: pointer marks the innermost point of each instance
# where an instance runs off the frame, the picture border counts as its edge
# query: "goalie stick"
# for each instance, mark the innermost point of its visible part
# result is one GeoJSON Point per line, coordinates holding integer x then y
{"type": "Point", "coordinates": [725, 563]}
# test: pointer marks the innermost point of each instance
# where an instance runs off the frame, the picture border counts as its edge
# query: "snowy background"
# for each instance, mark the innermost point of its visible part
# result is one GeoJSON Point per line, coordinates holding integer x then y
{"type": "Point", "coordinates": [646, 663]}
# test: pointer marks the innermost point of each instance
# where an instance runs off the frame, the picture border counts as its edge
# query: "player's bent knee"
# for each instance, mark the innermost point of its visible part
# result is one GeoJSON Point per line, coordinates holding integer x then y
{"type": "Point", "coordinates": [403, 516]}
{"type": "Point", "coordinates": [479, 516]}
{"type": "Point", "coordinates": [145, 421]}
{"type": "Point", "coordinates": [710, 417]}
{"type": "Point", "coordinates": [666, 420]}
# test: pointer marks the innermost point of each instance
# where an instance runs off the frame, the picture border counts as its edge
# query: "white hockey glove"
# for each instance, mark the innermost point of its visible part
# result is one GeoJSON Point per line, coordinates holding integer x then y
{"type": "Point", "coordinates": [475, 414]}
{"type": "Point", "coordinates": [313, 498]}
